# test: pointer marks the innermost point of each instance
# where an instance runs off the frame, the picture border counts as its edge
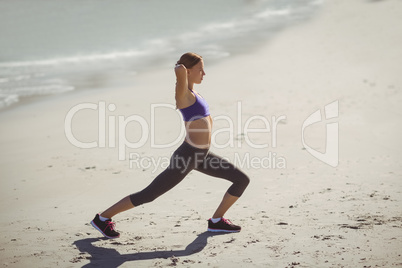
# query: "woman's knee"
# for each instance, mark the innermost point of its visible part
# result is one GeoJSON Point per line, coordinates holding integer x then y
{"type": "Point", "coordinates": [243, 180]}
{"type": "Point", "coordinates": [240, 183]}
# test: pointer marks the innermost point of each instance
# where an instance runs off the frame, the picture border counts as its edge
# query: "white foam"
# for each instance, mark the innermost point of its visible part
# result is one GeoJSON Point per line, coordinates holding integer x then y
{"type": "Point", "coordinates": [75, 59]}
{"type": "Point", "coordinates": [269, 13]}
{"type": "Point", "coordinates": [7, 100]}
{"type": "Point", "coordinates": [37, 90]}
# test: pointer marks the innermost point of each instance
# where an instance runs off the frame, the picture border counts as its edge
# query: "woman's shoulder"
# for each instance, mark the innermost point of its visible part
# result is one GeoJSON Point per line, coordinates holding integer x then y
{"type": "Point", "coordinates": [185, 100]}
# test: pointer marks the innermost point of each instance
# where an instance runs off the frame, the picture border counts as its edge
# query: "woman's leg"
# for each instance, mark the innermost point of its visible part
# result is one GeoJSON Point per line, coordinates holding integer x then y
{"type": "Point", "coordinates": [122, 205]}
{"type": "Point", "coordinates": [165, 181]}
{"type": "Point", "coordinates": [227, 201]}
{"type": "Point", "coordinates": [216, 166]}
{"type": "Point", "coordinates": [160, 185]}
{"type": "Point", "coordinates": [182, 162]}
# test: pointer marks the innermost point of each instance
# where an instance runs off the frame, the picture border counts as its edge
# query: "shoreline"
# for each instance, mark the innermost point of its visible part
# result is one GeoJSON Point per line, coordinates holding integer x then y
{"type": "Point", "coordinates": [309, 214]}
{"type": "Point", "coordinates": [105, 72]}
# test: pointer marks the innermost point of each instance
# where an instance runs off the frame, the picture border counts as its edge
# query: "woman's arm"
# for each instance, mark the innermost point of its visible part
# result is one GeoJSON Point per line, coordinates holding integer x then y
{"type": "Point", "coordinates": [181, 81]}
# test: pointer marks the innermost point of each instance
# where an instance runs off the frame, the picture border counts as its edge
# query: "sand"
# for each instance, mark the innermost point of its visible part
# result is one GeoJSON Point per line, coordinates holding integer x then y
{"type": "Point", "coordinates": [301, 213]}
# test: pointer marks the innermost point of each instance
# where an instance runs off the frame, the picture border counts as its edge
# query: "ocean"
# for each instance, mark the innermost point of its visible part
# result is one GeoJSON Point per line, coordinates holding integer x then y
{"type": "Point", "coordinates": [51, 47]}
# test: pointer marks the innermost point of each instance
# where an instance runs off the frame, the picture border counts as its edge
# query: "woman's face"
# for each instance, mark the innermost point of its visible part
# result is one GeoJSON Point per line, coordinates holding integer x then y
{"type": "Point", "coordinates": [196, 73]}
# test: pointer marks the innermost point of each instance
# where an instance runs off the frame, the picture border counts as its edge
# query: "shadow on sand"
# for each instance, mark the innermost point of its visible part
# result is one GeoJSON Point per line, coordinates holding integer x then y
{"type": "Point", "coordinates": [108, 257]}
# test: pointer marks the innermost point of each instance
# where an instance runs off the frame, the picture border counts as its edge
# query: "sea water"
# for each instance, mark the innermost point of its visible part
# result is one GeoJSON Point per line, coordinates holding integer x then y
{"type": "Point", "coordinates": [49, 47]}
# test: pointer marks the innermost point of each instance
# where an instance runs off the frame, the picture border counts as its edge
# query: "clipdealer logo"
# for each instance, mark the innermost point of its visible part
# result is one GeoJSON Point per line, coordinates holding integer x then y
{"type": "Point", "coordinates": [331, 154]}
{"type": "Point", "coordinates": [117, 124]}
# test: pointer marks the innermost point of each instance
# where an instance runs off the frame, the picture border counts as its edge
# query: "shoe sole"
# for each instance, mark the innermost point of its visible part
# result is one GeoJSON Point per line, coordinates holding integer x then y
{"type": "Point", "coordinates": [97, 228]}
{"type": "Point", "coordinates": [222, 231]}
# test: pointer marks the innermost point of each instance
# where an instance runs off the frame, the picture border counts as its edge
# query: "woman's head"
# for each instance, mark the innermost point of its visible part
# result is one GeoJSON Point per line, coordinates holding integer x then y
{"type": "Point", "coordinates": [195, 67]}
{"type": "Point", "coordinates": [189, 60]}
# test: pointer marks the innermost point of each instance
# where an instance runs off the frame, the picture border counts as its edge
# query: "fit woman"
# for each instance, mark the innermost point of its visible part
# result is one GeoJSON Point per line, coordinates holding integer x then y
{"type": "Point", "coordinates": [192, 154]}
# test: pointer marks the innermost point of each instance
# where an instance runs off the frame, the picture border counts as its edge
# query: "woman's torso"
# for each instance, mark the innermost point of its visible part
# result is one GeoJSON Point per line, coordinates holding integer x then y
{"type": "Point", "coordinates": [198, 131]}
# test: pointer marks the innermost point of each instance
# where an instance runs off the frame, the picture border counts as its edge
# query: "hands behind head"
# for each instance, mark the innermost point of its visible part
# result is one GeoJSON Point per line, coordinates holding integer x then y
{"type": "Point", "coordinates": [180, 68]}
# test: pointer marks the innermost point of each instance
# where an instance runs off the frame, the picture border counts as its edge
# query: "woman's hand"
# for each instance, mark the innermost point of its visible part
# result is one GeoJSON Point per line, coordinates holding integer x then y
{"type": "Point", "coordinates": [180, 69]}
{"type": "Point", "coordinates": [181, 82]}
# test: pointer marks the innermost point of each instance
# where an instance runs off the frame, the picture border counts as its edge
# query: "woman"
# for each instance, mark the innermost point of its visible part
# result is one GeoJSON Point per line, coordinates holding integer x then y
{"type": "Point", "coordinates": [192, 154]}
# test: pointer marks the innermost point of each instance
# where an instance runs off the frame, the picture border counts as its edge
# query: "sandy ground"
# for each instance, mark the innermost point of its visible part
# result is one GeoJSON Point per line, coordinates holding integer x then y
{"type": "Point", "coordinates": [297, 212]}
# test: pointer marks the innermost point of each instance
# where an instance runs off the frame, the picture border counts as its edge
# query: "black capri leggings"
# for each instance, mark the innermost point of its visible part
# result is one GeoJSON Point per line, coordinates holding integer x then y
{"type": "Point", "coordinates": [185, 159]}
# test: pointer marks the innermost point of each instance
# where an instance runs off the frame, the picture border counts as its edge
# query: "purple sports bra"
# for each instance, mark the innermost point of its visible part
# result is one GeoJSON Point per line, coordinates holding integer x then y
{"type": "Point", "coordinates": [199, 109]}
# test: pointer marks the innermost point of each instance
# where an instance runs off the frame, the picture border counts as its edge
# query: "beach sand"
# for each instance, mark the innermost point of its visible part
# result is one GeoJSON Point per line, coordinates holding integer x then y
{"type": "Point", "coordinates": [304, 213]}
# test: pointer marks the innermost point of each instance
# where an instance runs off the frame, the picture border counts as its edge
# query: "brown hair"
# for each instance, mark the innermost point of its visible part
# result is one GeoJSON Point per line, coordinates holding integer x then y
{"type": "Point", "coordinates": [189, 59]}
